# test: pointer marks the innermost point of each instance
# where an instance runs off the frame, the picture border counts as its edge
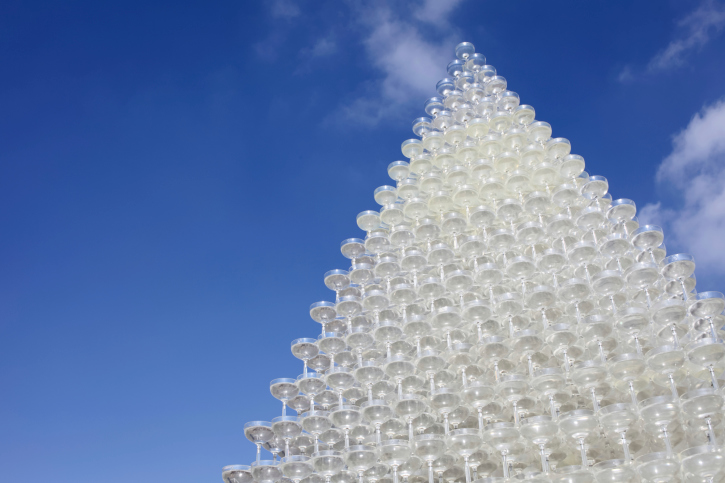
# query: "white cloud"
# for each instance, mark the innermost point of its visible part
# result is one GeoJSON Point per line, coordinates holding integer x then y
{"type": "Point", "coordinates": [324, 46]}
{"type": "Point", "coordinates": [435, 11]}
{"type": "Point", "coordinates": [410, 63]}
{"type": "Point", "coordinates": [695, 172]}
{"type": "Point", "coordinates": [625, 75]}
{"type": "Point", "coordinates": [698, 28]}
{"type": "Point", "coordinates": [284, 9]}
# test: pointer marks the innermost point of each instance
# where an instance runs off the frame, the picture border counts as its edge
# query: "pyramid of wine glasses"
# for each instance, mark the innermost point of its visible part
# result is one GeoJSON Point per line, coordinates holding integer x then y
{"type": "Point", "coordinates": [503, 318]}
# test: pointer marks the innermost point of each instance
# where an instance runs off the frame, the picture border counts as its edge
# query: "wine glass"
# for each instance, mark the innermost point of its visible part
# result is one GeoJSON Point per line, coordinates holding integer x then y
{"type": "Point", "coordinates": [708, 305]}
{"type": "Point", "coordinates": [296, 468]}
{"type": "Point", "coordinates": [311, 384]}
{"type": "Point", "coordinates": [337, 280]}
{"type": "Point", "coordinates": [258, 432]}
{"type": "Point", "coordinates": [579, 424]}
{"type": "Point", "coordinates": [304, 349]}
{"type": "Point", "coordinates": [327, 463]}
{"type": "Point", "coordinates": [237, 474]}
{"type": "Point", "coordinates": [323, 312]}
{"type": "Point", "coordinates": [503, 437]}
{"type": "Point", "coordinates": [589, 376]}
{"type": "Point", "coordinates": [666, 360]}
{"type": "Point", "coordinates": [394, 452]}
{"type": "Point", "coordinates": [617, 419]}
{"type": "Point", "coordinates": [429, 362]}
{"type": "Point", "coordinates": [660, 413]}
{"type": "Point", "coordinates": [367, 374]}
{"type": "Point", "coordinates": [287, 428]}
{"type": "Point", "coordinates": [561, 339]}
{"type": "Point", "coordinates": [316, 423]}
{"type": "Point", "coordinates": [478, 395]}
{"type": "Point", "coordinates": [513, 388]}
{"type": "Point", "coordinates": [408, 407]}
{"type": "Point", "coordinates": [397, 368]}
{"type": "Point", "coordinates": [704, 463]}
{"type": "Point", "coordinates": [465, 442]}
{"type": "Point", "coordinates": [346, 417]}
{"type": "Point", "coordinates": [526, 343]}
{"type": "Point", "coordinates": [266, 471]}
{"type": "Point", "coordinates": [550, 382]}
{"type": "Point", "coordinates": [707, 353]}
{"type": "Point", "coordinates": [633, 321]}
{"type": "Point", "coordinates": [628, 368]}
{"type": "Point", "coordinates": [429, 447]}
{"type": "Point", "coordinates": [540, 430]}
{"type": "Point", "coordinates": [648, 237]}
{"type": "Point", "coordinates": [669, 314]}
{"type": "Point", "coordinates": [657, 467]}
{"type": "Point", "coordinates": [614, 471]}
{"type": "Point", "coordinates": [678, 268]}
{"type": "Point", "coordinates": [444, 401]}
{"type": "Point", "coordinates": [359, 459]}
{"type": "Point", "coordinates": [493, 350]}
{"type": "Point", "coordinates": [701, 406]}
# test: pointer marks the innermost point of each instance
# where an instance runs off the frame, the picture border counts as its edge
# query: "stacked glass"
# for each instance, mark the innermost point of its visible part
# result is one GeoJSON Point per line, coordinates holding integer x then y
{"type": "Point", "coordinates": [503, 318]}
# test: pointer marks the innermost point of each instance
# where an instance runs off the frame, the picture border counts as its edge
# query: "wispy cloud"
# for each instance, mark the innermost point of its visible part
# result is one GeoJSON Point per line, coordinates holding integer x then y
{"type": "Point", "coordinates": [694, 31]}
{"type": "Point", "coordinates": [698, 28]}
{"type": "Point", "coordinates": [435, 11]}
{"type": "Point", "coordinates": [626, 74]}
{"type": "Point", "coordinates": [284, 9]}
{"type": "Point", "coordinates": [695, 173]}
{"type": "Point", "coordinates": [323, 47]}
{"type": "Point", "coordinates": [408, 61]}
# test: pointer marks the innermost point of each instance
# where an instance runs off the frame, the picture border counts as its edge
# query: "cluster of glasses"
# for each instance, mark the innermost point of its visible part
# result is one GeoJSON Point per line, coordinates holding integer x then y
{"type": "Point", "coordinates": [503, 318]}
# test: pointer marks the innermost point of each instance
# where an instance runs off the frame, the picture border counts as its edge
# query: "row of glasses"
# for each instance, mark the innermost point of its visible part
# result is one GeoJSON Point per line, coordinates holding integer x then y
{"type": "Point", "coordinates": [501, 308]}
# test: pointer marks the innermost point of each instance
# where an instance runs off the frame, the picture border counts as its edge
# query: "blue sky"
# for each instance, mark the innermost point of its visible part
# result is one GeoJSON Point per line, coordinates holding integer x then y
{"type": "Point", "coordinates": [176, 177]}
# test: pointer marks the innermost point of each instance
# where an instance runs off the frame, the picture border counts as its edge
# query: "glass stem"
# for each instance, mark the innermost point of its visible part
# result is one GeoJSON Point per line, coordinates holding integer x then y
{"type": "Point", "coordinates": [430, 472]}
{"type": "Point", "coordinates": [531, 365]}
{"type": "Point", "coordinates": [259, 451]}
{"type": "Point", "coordinates": [632, 393]}
{"type": "Point", "coordinates": [666, 437]}
{"type": "Point", "coordinates": [713, 332]}
{"type": "Point", "coordinates": [595, 402]}
{"type": "Point", "coordinates": [504, 465]}
{"type": "Point", "coordinates": [673, 386]}
{"type": "Point", "coordinates": [468, 470]}
{"type": "Point", "coordinates": [710, 433]}
{"type": "Point", "coordinates": [583, 450]}
{"type": "Point", "coordinates": [625, 447]}
{"type": "Point", "coordinates": [542, 454]}
{"type": "Point", "coordinates": [552, 407]}
{"type": "Point", "coordinates": [713, 379]}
